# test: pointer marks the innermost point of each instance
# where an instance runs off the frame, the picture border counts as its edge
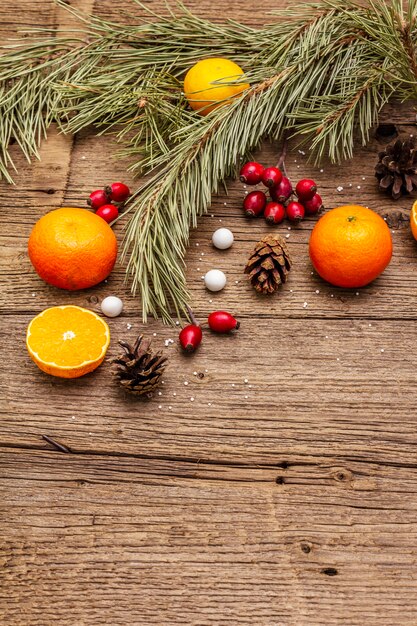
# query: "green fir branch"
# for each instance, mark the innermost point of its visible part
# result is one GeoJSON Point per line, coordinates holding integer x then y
{"type": "Point", "coordinates": [27, 100]}
{"type": "Point", "coordinates": [321, 72]}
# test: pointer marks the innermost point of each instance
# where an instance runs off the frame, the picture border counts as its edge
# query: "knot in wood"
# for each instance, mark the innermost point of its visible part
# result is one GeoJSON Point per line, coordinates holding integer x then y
{"type": "Point", "coordinates": [329, 571]}
{"type": "Point", "coordinates": [342, 475]}
{"type": "Point", "coordinates": [306, 547]}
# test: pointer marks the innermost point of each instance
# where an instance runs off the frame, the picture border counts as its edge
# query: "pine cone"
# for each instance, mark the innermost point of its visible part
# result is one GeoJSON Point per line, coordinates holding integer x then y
{"type": "Point", "coordinates": [139, 370]}
{"type": "Point", "coordinates": [396, 169]}
{"type": "Point", "coordinates": [269, 264]}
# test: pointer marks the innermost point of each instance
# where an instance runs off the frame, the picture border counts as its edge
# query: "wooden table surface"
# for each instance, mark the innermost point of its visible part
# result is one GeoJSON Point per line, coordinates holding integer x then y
{"type": "Point", "coordinates": [289, 500]}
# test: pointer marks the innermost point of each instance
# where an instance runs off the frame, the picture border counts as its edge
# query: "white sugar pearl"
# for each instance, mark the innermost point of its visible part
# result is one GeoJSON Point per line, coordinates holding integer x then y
{"type": "Point", "coordinates": [112, 306]}
{"type": "Point", "coordinates": [222, 238]}
{"type": "Point", "coordinates": [215, 280]}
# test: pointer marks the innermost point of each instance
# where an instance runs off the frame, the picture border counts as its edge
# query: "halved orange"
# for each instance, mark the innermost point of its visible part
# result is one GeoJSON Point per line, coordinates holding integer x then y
{"type": "Point", "coordinates": [413, 219]}
{"type": "Point", "coordinates": [67, 341]}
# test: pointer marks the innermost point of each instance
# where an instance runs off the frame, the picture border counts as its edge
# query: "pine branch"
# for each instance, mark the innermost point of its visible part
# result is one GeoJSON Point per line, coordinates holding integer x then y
{"type": "Point", "coordinates": [26, 97]}
{"type": "Point", "coordinates": [318, 67]}
{"type": "Point", "coordinates": [321, 71]}
{"type": "Point", "coordinates": [207, 153]}
{"type": "Point", "coordinates": [164, 210]}
{"type": "Point", "coordinates": [29, 101]}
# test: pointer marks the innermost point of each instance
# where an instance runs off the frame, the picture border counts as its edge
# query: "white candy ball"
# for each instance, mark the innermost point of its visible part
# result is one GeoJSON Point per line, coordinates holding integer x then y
{"type": "Point", "coordinates": [222, 238]}
{"type": "Point", "coordinates": [111, 306]}
{"type": "Point", "coordinates": [215, 280]}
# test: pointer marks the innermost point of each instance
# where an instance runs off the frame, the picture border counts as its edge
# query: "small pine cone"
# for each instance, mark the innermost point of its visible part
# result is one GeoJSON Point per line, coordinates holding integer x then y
{"type": "Point", "coordinates": [396, 169]}
{"type": "Point", "coordinates": [139, 370]}
{"type": "Point", "coordinates": [269, 264]}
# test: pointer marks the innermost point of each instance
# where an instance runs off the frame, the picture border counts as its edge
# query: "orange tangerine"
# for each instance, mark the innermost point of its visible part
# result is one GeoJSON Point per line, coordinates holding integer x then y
{"type": "Point", "coordinates": [72, 248]}
{"type": "Point", "coordinates": [67, 341]}
{"type": "Point", "coordinates": [350, 246]}
{"type": "Point", "coordinates": [413, 219]}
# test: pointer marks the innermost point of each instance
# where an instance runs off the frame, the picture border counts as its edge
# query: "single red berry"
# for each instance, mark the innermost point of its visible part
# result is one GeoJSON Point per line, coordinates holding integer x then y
{"type": "Point", "coordinates": [254, 203]}
{"type": "Point", "coordinates": [251, 173]}
{"type": "Point", "coordinates": [271, 177]}
{"type": "Point", "coordinates": [97, 198]}
{"type": "Point", "coordinates": [305, 189]}
{"type": "Point", "coordinates": [108, 212]}
{"type": "Point", "coordinates": [118, 192]}
{"type": "Point", "coordinates": [274, 213]}
{"type": "Point", "coordinates": [190, 337]}
{"type": "Point", "coordinates": [314, 205]}
{"type": "Point", "coordinates": [295, 211]}
{"type": "Point", "coordinates": [281, 192]}
{"type": "Point", "coordinates": [222, 322]}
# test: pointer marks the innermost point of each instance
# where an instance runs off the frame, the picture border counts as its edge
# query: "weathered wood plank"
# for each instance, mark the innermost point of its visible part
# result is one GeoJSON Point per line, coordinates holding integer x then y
{"type": "Point", "coordinates": [99, 540]}
{"type": "Point", "coordinates": [335, 393]}
{"type": "Point", "coordinates": [289, 500]}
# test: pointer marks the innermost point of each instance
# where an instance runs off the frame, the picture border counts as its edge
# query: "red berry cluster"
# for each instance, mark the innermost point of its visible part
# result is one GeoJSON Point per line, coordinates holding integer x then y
{"type": "Point", "coordinates": [107, 201]}
{"type": "Point", "coordinates": [219, 322]}
{"type": "Point", "coordinates": [280, 189]}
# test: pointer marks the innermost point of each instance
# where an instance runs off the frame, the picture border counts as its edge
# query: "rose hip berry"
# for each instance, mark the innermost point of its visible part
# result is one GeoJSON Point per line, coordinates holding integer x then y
{"type": "Point", "coordinates": [97, 198]}
{"type": "Point", "coordinates": [271, 177]}
{"type": "Point", "coordinates": [274, 213]}
{"type": "Point", "coordinates": [313, 206]}
{"type": "Point", "coordinates": [190, 337]}
{"type": "Point", "coordinates": [305, 189]}
{"type": "Point", "coordinates": [254, 203]}
{"type": "Point", "coordinates": [108, 212]}
{"type": "Point", "coordinates": [281, 192]}
{"type": "Point", "coordinates": [306, 200]}
{"type": "Point", "coordinates": [222, 322]}
{"type": "Point", "coordinates": [118, 192]}
{"type": "Point", "coordinates": [295, 211]}
{"type": "Point", "coordinates": [251, 173]}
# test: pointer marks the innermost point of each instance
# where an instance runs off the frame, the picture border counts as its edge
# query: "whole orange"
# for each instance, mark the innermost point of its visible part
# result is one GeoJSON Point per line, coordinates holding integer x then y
{"type": "Point", "coordinates": [350, 246]}
{"type": "Point", "coordinates": [207, 84]}
{"type": "Point", "coordinates": [72, 248]}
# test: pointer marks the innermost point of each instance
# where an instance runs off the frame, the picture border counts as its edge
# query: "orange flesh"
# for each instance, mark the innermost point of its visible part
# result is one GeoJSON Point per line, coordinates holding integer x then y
{"type": "Point", "coordinates": [67, 337]}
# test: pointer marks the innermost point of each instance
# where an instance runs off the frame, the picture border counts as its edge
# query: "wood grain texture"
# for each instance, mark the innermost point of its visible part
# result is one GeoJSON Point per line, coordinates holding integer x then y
{"type": "Point", "coordinates": [276, 488]}
{"type": "Point", "coordinates": [107, 540]}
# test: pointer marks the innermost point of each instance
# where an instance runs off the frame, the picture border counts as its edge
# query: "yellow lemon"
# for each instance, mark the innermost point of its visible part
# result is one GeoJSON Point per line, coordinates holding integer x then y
{"type": "Point", "coordinates": [207, 84]}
